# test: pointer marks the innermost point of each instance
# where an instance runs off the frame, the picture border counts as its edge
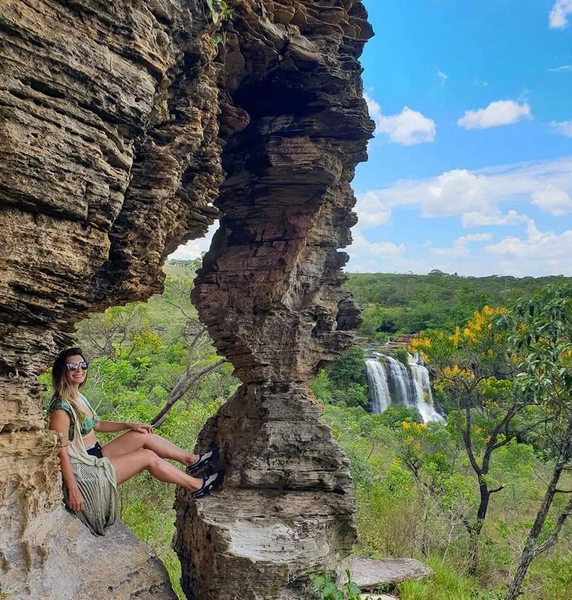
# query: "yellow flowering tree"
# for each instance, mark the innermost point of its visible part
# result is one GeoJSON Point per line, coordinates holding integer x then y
{"type": "Point", "coordinates": [472, 371]}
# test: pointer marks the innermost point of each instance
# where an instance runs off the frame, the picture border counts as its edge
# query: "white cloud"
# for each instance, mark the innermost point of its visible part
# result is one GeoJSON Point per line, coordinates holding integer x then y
{"type": "Point", "coordinates": [480, 83]}
{"type": "Point", "coordinates": [476, 237]}
{"type": "Point", "coordinates": [195, 248]}
{"type": "Point", "coordinates": [371, 211]}
{"type": "Point", "coordinates": [459, 247]}
{"type": "Point", "coordinates": [558, 18]}
{"type": "Point", "coordinates": [495, 217]}
{"type": "Point", "coordinates": [535, 253]}
{"type": "Point", "coordinates": [541, 253]}
{"type": "Point", "coordinates": [376, 249]}
{"type": "Point", "coordinates": [477, 197]}
{"type": "Point", "coordinates": [562, 69]}
{"type": "Point", "coordinates": [445, 191]}
{"type": "Point", "coordinates": [408, 128]}
{"type": "Point", "coordinates": [556, 202]}
{"type": "Point", "coordinates": [563, 127]}
{"type": "Point", "coordinates": [376, 257]}
{"type": "Point", "coordinates": [374, 108]}
{"type": "Point", "coordinates": [442, 76]}
{"type": "Point", "coordinates": [502, 112]}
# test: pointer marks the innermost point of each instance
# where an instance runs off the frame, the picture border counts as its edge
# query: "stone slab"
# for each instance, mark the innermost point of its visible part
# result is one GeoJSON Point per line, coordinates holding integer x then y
{"type": "Point", "coordinates": [369, 573]}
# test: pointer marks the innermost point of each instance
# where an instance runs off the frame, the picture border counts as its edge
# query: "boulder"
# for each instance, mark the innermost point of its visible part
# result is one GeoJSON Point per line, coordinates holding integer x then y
{"type": "Point", "coordinates": [370, 574]}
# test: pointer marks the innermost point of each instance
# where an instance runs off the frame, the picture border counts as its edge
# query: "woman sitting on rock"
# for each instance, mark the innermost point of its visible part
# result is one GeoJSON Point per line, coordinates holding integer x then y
{"type": "Point", "coordinates": [91, 472]}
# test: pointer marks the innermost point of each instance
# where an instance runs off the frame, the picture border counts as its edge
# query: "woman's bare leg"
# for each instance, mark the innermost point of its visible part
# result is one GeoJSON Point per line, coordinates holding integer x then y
{"type": "Point", "coordinates": [133, 440]}
{"type": "Point", "coordinates": [128, 465]}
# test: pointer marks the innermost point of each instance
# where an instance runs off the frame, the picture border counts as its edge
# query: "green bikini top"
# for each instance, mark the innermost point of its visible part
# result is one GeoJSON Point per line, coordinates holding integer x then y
{"type": "Point", "coordinates": [85, 426]}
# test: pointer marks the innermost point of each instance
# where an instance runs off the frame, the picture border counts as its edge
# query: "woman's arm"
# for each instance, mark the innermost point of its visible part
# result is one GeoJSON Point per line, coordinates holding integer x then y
{"type": "Point", "coordinates": [115, 426]}
{"type": "Point", "coordinates": [60, 422]}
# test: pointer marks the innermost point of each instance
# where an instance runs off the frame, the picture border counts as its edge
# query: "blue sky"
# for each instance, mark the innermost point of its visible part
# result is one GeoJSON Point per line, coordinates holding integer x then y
{"type": "Point", "coordinates": [470, 169]}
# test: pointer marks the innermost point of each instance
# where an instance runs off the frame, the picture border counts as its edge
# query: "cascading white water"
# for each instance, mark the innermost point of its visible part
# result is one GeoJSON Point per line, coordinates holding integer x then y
{"type": "Point", "coordinates": [423, 394]}
{"type": "Point", "coordinates": [390, 382]}
{"type": "Point", "coordinates": [399, 382]}
{"type": "Point", "coordinates": [380, 397]}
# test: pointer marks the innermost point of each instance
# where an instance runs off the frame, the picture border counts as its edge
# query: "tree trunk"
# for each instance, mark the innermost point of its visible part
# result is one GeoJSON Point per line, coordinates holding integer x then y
{"type": "Point", "coordinates": [473, 551]}
{"type": "Point", "coordinates": [527, 557]}
{"type": "Point", "coordinates": [475, 531]}
{"type": "Point", "coordinates": [530, 551]}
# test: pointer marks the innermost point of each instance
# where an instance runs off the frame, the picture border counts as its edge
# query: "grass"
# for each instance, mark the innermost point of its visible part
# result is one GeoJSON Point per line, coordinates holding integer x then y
{"type": "Point", "coordinates": [446, 584]}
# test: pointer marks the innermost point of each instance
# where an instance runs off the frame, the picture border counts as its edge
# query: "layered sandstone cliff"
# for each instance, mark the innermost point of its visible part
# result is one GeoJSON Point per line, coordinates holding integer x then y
{"type": "Point", "coordinates": [116, 122]}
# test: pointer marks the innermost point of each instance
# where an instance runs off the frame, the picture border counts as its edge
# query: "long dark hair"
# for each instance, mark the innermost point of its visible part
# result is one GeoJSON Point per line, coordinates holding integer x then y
{"type": "Point", "coordinates": [62, 389]}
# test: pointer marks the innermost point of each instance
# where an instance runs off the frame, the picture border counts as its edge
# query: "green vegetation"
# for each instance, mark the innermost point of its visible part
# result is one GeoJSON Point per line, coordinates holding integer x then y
{"type": "Point", "coordinates": [219, 10]}
{"type": "Point", "coordinates": [219, 13]}
{"type": "Point", "coordinates": [419, 488]}
{"type": "Point", "coordinates": [410, 303]}
{"type": "Point", "coordinates": [487, 491]}
{"type": "Point", "coordinates": [542, 339]}
{"type": "Point", "coordinates": [327, 588]}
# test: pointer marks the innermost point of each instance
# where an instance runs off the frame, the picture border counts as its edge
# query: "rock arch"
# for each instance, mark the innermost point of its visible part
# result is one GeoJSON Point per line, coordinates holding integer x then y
{"type": "Point", "coordinates": [116, 123]}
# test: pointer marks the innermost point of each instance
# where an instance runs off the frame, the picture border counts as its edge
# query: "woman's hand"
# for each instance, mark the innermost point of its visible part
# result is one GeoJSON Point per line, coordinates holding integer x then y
{"type": "Point", "coordinates": [75, 499]}
{"type": "Point", "coordinates": [140, 427]}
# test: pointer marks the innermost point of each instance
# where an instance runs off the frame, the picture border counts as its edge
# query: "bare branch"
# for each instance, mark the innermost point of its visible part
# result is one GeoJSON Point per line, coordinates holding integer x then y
{"type": "Point", "coordinates": [556, 531]}
{"type": "Point", "coordinates": [179, 307]}
{"type": "Point", "coordinates": [185, 381]}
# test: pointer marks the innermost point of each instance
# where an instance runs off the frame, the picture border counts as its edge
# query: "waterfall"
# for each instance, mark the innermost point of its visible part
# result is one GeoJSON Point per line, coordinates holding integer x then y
{"type": "Point", "coordinates": [380, 398]}
{"type": "Point", "coordinates": [423, 394]}
{"type": "Point", "coordinates": [391, 382]}
{"type": "Point", "coordinates": [399, 382]}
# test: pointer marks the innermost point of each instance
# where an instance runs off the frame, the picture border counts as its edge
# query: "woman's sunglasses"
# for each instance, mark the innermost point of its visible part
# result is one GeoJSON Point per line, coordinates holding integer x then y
{"type": "Point", "coordinates": [74, 366]}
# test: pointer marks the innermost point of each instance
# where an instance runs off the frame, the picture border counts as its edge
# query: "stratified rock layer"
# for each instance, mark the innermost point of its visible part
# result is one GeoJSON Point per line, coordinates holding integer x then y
{"type": "Point", "coordinates": [110, 158]}
{"type": "Point", "coordinates": [113, 117]}
{"type": "Point", "coordinates": [269, 292]}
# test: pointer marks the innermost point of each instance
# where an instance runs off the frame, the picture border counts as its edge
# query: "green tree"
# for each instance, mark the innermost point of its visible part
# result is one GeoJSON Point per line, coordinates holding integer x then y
{"type": "Point", "coordinates": [472, 368]}
{"type": "Point", "coordinates": [542, 337]}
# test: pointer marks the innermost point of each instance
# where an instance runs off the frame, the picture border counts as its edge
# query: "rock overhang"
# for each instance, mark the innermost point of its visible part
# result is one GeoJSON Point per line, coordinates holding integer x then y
{"type": "Point", "coordinates": [116, 122]}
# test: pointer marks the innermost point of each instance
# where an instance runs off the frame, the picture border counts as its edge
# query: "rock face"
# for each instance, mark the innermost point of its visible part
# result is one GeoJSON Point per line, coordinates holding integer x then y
{"type": "Point", "coordinates": [114, 566]}
{"type": "Point", "coordinates": [269, 294]}
{"type": "Point", "coordinates": [109, 152]}
{"type": "Point", "coordinates": [116, 122]}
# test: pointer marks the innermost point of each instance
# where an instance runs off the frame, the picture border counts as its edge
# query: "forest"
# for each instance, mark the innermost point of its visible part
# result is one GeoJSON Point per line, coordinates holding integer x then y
{"type": "Point", "coordinates": [483, 497]}
{"type": "Point", "coordinates": [407, 303]}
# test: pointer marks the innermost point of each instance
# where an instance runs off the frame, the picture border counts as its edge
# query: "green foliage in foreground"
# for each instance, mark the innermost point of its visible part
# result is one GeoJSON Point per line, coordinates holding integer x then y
{"type": "Point", "coordinates": [397, 515]}
{"type": "Point", "coordinates": [327, 588]}
{"type": "Point", "coordinates": [446, 584]}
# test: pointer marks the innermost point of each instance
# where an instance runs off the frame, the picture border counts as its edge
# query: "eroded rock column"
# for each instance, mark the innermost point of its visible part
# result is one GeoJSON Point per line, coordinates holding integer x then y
{"type": "Point", "coordinates": [269, 294]}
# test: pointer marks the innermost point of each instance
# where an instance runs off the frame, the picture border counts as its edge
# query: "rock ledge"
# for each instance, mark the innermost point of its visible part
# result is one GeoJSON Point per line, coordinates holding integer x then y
{"type": "Point", "coordinates": [369, 574]}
